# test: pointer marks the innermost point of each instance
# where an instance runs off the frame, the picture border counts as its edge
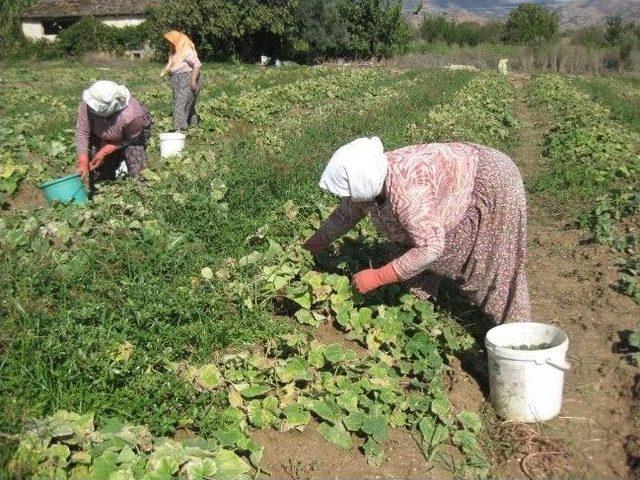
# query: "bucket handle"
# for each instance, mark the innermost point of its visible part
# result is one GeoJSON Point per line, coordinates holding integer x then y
{"type": "Point", "coordinates": [564, 365]}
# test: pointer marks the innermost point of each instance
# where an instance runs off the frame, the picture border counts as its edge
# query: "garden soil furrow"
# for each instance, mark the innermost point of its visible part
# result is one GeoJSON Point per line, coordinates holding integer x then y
{"type": "Point", "coordinates": [570, 282]}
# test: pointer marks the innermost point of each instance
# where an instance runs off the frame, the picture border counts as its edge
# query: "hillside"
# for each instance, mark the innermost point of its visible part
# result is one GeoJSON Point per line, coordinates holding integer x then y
{"type": "Point", "coordinates": [573, 13]}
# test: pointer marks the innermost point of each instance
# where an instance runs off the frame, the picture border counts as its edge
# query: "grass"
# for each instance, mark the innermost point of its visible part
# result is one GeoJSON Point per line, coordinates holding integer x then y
{"type": "Point", "coordinates": [620, 94]}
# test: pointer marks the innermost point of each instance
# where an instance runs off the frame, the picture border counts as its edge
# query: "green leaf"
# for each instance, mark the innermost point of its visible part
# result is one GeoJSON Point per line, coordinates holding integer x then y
{"type": "Point", "coordinates": [218, 189]}
{"type": "Point", "coordinates": [200, 469]}
{"type": "Point", "coordinates": [104, 466]}
{"type": "Point", "coordinates": [80, 458]}
{"type": "Point", "coordinates": [354, 421]}
{"type": "Point", "coordinates": [207, 377]}
{"type": "Point", "coordinates": [398, 418]}
{"type": "Point", "coordinates": [376, 427]}
{"type": "Point", "coordinates": [296, 369]}
{"type": "Point", "coordinates": [349, 401]}
{"type": "Point", "coordinates": [230, 466]}
{"type": "Point", "coordinates": [58, 454]}
{"type": "Point", "coordinates": [465, 440]}
{"type": "Point", "coordinates": [440, 406]}
{"type": "Point", "coordinates": [123, 474]}
{"type": "Point", "coordinates": [252, 391]}
{"type": "Point", "coordinates": [373, 450]}
{"type": "Point", "coordinates": [164, 466]}
{"type": "Point", "coordinates": [343, 315]}
{"type": "Point", "coordinates": [259, 416]}
{"type": "Point", "coordinates": [336, 434]}
{"type": "Point", "coordinates": [295, 416]}
{"type": "Point", "coordinates": [306, 318]}
{"type": "Point", "coordinates": [150, 175]}
{"type": "Point", "coordinates": [336, 353]}
{"type": "Point", "coordinates": [326, 410]}
{"type": "Point", "coordinates": [470, 421]}
{"type": "Point", "coordinates": [81, 472]}
{"type": "Point", "coordinates": [126, 455]}
{"type": "Point", "coordinates": [255, 454]}
{"type": "Point", "coordinates": [206, 273]}
{"type": "Point", "coordinates": [316, 355]}
{"type": "Point", "coordinates": [433, 432]}
{"type": "Point", "coordinates": [230, 438]}
{"type": "Point", "coordinates": [634, 340]}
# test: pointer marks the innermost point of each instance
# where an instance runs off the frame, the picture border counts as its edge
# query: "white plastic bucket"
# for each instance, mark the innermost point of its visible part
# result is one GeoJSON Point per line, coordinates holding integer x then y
{"type": "Point", "coordinates": [526, 385]}
{"type": "Point", "coordinates": [171, 143]}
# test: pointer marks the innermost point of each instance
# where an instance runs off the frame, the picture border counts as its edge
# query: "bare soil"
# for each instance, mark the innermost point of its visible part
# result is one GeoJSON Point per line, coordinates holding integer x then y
{"type": "Point", "coordinates": [28, 197]}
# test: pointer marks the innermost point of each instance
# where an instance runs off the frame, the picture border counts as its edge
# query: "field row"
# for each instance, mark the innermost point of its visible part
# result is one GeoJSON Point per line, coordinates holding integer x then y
{"type": "Point", "coordinates": [593, 156]}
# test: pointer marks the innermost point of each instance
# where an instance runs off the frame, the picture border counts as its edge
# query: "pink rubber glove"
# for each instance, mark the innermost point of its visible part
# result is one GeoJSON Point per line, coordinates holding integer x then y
{"type": "Point", "coordinates": [104, 152]}
{"type": "Point", "coordinates": [367, 280]}
{"type": "Point", "coordinates": [82, 166]}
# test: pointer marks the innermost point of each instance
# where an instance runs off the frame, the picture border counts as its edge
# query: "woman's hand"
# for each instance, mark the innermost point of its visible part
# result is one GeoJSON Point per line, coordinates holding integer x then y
{"type": "Point", "coordinates": [194, 85]}
{"type": "Point", "coordinates": [97, 161]}
{"type": "Point", "coordinates": [368, 280]}
{"type": "Point", "coordinates": [101, 155]}
{"type": "Point", "coordinates": [82, 163]}
{"type": "Point", "coordinates": [84, 174]}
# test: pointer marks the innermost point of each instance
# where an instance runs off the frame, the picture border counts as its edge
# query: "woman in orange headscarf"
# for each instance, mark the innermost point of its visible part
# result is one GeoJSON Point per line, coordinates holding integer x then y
{"type": "Point", "coordinates": [184, 68]}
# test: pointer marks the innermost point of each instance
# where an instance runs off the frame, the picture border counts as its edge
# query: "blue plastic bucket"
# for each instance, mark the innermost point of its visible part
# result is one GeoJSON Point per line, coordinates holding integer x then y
{"type": "Point", "coordinates": [66, 189]}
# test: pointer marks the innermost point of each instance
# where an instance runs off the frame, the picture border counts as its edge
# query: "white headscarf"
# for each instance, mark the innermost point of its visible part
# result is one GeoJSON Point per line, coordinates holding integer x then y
{"type": "Point", "coordinates": [106, 98]}
{"type": "Point", "coordinates": [357, 170]}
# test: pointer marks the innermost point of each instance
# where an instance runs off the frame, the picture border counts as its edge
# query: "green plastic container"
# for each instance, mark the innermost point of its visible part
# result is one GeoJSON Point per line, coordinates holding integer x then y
{"type": "Point", "coordinates": [66, 189]}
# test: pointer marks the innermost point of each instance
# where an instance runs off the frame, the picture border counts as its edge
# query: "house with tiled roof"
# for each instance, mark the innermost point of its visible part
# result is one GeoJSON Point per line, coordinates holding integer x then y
{"type": "Point", "coordinates": [46, 18]}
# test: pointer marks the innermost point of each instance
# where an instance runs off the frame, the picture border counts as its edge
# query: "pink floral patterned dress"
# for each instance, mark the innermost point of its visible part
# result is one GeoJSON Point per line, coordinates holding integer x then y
{"type": "Point", "coordinates": [458, 211]}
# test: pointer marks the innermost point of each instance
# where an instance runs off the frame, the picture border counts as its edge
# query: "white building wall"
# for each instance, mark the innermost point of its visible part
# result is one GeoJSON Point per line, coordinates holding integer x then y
{"type": "Point", "coordinates": [33, 30]}
{"type": "Point", "coordinates": [122, 21]}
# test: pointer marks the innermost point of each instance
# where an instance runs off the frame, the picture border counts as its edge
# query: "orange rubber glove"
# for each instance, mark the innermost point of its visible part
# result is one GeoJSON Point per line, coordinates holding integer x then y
{"type": "Point", "coordinates": [104, 152]}
{"type": "Point", "coordinates": [82, 165]}
{"type": "Point", "coordinates": [315, 244]}
{"type": "Point", "coordinates": [367, 280]}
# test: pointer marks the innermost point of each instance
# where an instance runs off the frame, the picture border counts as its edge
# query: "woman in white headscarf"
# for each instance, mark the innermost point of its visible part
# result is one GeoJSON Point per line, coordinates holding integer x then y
{"type": "Point", "coordinates": [112, 128]}
{"type": "Point", "coordinates": [456, 210]}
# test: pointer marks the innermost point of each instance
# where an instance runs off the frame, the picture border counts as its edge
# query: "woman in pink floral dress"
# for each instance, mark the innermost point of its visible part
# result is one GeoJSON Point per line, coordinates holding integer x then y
{"type": "Point", "coordinates": [457, 210]}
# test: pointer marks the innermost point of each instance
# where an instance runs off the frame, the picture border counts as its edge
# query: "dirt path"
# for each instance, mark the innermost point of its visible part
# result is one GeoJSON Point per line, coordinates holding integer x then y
{"type": "Point", "coordinates": [570, 283]}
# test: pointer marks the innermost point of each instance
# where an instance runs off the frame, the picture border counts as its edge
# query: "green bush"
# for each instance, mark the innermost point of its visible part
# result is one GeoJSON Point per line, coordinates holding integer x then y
{"type": "Point", "coordinates": [530, 24]}
{"type": "Point", "coordinates": [440, 29]}
{"type": "Point", "coordinates": [373, 30]}
{"type": "Point", "coordinates": [319, 31]}
{"type": "Point", "coordinates": [90, 34]}
{"type": "Point", "coordinates": [10, 21]}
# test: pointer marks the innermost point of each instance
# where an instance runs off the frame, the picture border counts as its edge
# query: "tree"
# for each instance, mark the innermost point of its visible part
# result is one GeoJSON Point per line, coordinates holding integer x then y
{"type": "Point", "coordinates": [530, 24]}
{"type": "Point", "coordinates": [304, 29]}
{"type": "Point", "coordinates": [437, 29]}
{"type": "Point", "coordinates": [374, 28]}
{"type": "Point", "coordinates": [319, 31]}
{"type": "Point", "coordinates": [10, 11]}
{"type": "Point", "coordinates": [224, 29]}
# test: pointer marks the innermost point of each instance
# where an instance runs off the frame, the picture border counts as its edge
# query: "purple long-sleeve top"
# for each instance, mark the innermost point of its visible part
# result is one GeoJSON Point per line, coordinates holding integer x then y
{"type": "Point", "coordinates": [121, 129]}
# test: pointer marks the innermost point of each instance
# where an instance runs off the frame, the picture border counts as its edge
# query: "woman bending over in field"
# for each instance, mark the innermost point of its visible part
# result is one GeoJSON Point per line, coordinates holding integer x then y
{"type": "Point", "coordinates": [113, 127]}
{"type": "Point", "coordinates": [184, 68]}
{"type": "Point", "coordinates": [457, 210]}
